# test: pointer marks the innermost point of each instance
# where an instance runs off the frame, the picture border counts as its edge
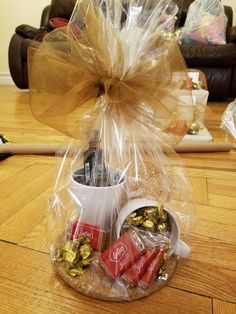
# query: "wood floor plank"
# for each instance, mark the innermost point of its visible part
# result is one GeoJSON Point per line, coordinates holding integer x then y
{"type": "Point", "coordinates": [207, 249]}
{"type": "Point", "coordinates": [222, 192]}
{"type": "Point", "coordinates": [19, 298]}
{"type": "Point", "coordinates": [32, 159]}
{"type": "Point", "coordinates": [25, 194]}
{"type": "Point", "coordinates": [207, 280]}
{"type": "Point", "coordinates": [211, 174]}
{"type": "Point", "coordinates": [5, 173]}
{"type": "Point", "coordinates": [29, 276]}
{"type": "Point", "coordinates": [21, 178]}
{"type": "Point", "coordinates": [26, 217]}
{"type": "Point", "coordinates": [10, 94]}
{"type": "Point", "coordinates": [36, 239]}
{"type": "Point", "coordinates": [222, 186]}
{"type": "Point", "coordinates": [32, 135]}
{"type": "Point", "coordinates": [210, 270]}
{"type": "Point", "coordinates": [11, 166]}
{"type": "Point", "coordinates": [192, 161]}
{"type": "Point", "coordinates": [222, 201]}
{"type": "Point", "coordinates": [199, 186]}
{"type": "Point", "coordinates": [213, 222]}
{"type": "Point", "coordinates": [222, 307]}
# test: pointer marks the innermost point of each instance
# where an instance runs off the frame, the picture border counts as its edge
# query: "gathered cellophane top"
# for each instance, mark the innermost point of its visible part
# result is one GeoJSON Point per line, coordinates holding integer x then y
{"type": "Point", "coordinates": [121, 200]}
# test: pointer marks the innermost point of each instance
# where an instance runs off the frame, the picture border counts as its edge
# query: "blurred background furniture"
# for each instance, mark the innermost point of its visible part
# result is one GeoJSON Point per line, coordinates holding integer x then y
{"type": "Point", "coordinates": [24, 34]}
{"type": "Point", "coordinates": [218, 63]}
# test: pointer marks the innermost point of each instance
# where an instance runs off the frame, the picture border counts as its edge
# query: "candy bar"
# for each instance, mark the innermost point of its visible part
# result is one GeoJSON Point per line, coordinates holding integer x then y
{"type": "Point", "coordinates": [136, 272]}
{"type": "Point", "coordinates": [122, 254]}
{"type": "Point", "coordinates": [150, 274]}
{"type": "Point", "coordinates": [93, 233]}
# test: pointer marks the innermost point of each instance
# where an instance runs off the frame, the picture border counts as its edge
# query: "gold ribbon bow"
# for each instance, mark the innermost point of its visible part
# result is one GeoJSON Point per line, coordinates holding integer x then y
{"type": "Point", "coordinates": [73, 66]}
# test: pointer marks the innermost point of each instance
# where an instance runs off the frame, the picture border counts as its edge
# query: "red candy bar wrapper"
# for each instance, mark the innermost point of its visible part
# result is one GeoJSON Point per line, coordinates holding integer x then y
{"type": "Point", "coordinates": [122, 254]}
{"type": "Point", "coordinates": [136, 272]}
{"type": "Point", "coordinates": [150, 274]}
{"type": "Point", "coordinates": [93, 233]}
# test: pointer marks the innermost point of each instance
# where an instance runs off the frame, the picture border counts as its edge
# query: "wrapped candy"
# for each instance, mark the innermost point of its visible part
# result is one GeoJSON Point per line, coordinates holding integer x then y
{"type": "Point", "coordinates": [137, 271]}
{"type": "Point", "coordinates": [121, 200]}
{"type": "Point", "coordinates": [149, 275]}
{"type": "Point", "coordinates": [122, 254]}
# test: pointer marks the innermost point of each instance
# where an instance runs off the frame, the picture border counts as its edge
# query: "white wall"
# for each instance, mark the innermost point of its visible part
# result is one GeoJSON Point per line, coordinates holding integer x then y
{"type": "Point", "coordinates": [12, 14]}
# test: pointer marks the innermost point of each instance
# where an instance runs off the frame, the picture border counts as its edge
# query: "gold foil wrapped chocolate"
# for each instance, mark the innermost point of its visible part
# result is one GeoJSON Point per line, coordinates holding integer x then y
{"type": "Point", "coordinates": [85, 251]}
{"type": "Point", "coordinates": [193, 128]}
{"type": "Point", "coordinates": [76, 271]}
{"type": "Point", "coordinates": [149, 218]}
{"type": "Point", "coordinates": [149, 224]}
{"type": "Point", "coordinates": [160, 209]}
{"type": "Point", "coordinates": [162, 227]}
{"type": "Point", "coordinates": [197, 85]}
{"type": "Point", "coordinates": [70, 256]}
{"type": "Point", "coordinates": [76, 255]}
{"type": "Point", "coordinates": [162, 273]}
{"type": "Point", "coordinates": [137, 221]}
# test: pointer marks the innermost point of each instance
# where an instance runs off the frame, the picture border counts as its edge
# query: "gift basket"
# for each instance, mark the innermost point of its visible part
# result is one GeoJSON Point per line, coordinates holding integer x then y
{"type": "Point", "coordinates": [228, 122]}
{"type": "Point", "coordinates": [208, 26]}
{"type": "Point", "coordinates": [121, 211]}
{"type": "Point", "coordinates": [196, 83]}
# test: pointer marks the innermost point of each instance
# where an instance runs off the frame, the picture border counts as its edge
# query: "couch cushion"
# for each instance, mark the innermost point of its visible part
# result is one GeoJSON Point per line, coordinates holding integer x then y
{"type": "Point", "coordinates": [209, 56]}
{"type": "Point", "coordinates": [233, 83]}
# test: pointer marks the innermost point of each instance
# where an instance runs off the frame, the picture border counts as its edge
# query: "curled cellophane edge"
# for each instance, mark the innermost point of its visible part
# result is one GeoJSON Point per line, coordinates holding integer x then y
{"type": "Point", "coordinates": [122, 208]}
{"type": "Point", "coordinates": [228, 122]}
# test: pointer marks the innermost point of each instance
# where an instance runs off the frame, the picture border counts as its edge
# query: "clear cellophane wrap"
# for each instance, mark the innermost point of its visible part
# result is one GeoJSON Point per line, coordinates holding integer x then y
{"type": "Point", "coordinates": [121, 208]}
{"type": "Point", "coordinates": [228, 122]}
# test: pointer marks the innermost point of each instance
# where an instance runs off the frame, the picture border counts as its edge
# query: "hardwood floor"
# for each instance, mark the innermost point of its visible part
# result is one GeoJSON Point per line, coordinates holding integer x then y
{"type": "Point", "coordinates": [204, 283]}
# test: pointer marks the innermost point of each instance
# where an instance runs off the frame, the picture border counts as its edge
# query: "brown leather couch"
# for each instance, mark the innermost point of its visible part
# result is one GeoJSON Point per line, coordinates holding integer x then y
{"type": "Point", "coordinates": [24, 34]}
{"type": "Point", "coordinates": [218, 63]}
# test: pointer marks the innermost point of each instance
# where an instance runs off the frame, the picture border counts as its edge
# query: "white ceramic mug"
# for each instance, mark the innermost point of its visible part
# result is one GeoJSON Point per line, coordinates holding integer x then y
{"type": "Point", "coordinates": [98, 206]}
{"type": "Point", "coordinates": [178, 247]}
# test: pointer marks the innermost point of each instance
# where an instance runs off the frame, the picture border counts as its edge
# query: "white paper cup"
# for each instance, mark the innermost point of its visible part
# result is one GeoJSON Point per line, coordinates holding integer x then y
{"type": "Point", "coordinates": [178, 247]}
{"type": "Point", "coordinates": [97, 206]}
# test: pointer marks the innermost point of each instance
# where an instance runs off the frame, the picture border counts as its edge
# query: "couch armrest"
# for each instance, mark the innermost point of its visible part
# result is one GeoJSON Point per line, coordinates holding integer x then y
{"type": "Point", "coordinates": [229, 14]}
{"type": "Point", "coordinates": [27, 31]}
{"type": "Point", "coordinates": [232, 35]}
{"type": "Point", "coordinates": [45, 16]}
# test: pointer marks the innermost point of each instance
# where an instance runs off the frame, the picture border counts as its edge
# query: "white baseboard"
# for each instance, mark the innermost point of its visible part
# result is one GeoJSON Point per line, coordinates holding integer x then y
{"type": "Point", "coordinates": [5, 78]}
